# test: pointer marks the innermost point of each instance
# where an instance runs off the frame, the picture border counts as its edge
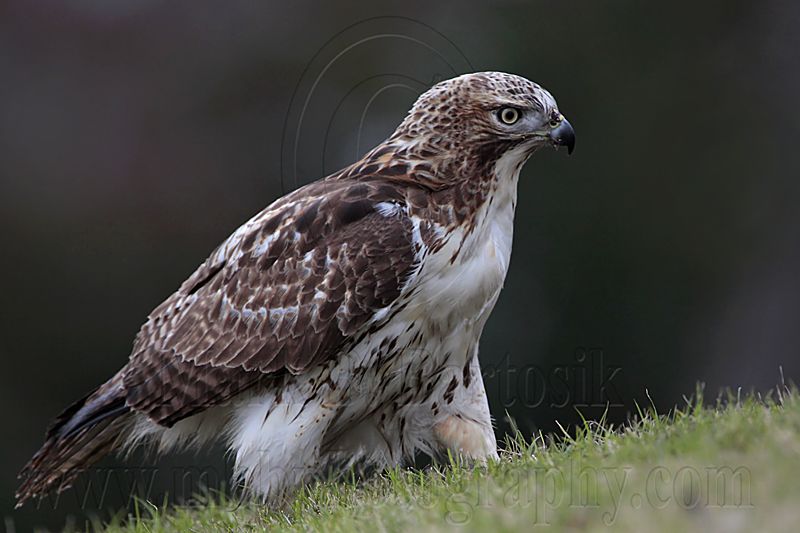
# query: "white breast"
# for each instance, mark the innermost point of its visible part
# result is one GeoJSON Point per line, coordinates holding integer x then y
{"type": "Point", "coordinates": [467, 288]}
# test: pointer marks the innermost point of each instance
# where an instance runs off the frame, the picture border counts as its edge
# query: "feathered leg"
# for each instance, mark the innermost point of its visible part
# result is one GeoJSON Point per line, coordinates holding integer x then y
{"type": "Point", "coordinates": [276, 444]}
{"type": "Point", "coordinates": [466, 428]}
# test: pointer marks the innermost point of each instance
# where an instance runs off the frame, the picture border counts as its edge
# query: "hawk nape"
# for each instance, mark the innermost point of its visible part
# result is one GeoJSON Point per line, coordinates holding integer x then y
{"type": "Point", "coordinates": [340, 324]}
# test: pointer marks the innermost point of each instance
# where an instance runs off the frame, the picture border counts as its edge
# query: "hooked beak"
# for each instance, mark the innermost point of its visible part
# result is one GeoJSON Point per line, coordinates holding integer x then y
{"type": "Point", "coordinates": [564, 135]}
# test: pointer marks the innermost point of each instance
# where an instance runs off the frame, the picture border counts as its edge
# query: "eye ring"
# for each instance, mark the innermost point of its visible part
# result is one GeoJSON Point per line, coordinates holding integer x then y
{"type": "Point", "coordinates": [508, 115]}
{"type": "Point", "coordinates": [555, 120]}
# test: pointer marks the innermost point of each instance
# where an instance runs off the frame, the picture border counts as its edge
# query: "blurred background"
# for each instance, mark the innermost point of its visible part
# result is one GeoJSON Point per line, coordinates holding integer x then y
{"type": "Point", "coordinates": [135, 136]}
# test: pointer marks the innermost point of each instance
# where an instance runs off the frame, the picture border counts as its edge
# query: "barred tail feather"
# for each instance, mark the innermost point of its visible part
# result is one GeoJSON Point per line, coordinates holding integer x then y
{"type": "Point", "coordinates": [80, 436]}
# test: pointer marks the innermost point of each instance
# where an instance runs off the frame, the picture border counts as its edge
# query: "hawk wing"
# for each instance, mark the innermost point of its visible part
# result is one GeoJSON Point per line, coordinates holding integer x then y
{"type": "Point", "coordinates": [284, 293]}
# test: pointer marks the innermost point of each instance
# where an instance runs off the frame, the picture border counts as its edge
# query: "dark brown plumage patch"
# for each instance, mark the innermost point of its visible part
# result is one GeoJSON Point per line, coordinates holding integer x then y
{"type": "Point", "coordinates": [348, 212]}
{"type": "Point", "coordinates": [358, 191]}
{"type": "Point", "coordinates": [207, 276]}
{"type": "Point", "coordinates": [271, 224]}
{"type": "Point", "coordinates": [451, 389]}
{"type": "Point", "coordinates": [467, 374]}
{"type": "Point", "coordinates": [306, 217]}
{"type": "Point", "coordinates": [396, 170]}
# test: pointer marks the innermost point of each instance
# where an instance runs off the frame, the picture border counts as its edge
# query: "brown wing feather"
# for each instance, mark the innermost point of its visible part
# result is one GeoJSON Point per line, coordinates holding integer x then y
{"type": "Point", "coordinates": [283, 294]}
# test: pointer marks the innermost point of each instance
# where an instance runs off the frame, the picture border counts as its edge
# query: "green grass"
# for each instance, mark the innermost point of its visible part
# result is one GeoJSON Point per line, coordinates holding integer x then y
{"type": "Point", "coordinates": [731, 466]}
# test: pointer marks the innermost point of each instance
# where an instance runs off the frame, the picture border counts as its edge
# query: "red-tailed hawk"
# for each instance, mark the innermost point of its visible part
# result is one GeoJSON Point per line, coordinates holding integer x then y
{"type": "Point", "coordinates": [340, 324]}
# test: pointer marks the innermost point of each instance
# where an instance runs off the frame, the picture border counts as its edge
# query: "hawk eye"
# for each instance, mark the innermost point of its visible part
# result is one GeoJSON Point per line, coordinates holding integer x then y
{"type": "Point", "coordinates": [508, 115]}
{"type": "Point", "coordinates": [555, 119]}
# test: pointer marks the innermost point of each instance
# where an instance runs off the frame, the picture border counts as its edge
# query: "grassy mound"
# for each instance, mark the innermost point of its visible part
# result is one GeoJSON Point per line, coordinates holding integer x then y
{"type": "Point", "coordinates": [732, 466]}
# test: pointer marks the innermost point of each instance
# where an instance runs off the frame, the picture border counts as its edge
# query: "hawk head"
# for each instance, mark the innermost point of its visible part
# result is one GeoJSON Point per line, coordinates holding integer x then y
{"type": "Point", "coordinates": [482, 116]}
